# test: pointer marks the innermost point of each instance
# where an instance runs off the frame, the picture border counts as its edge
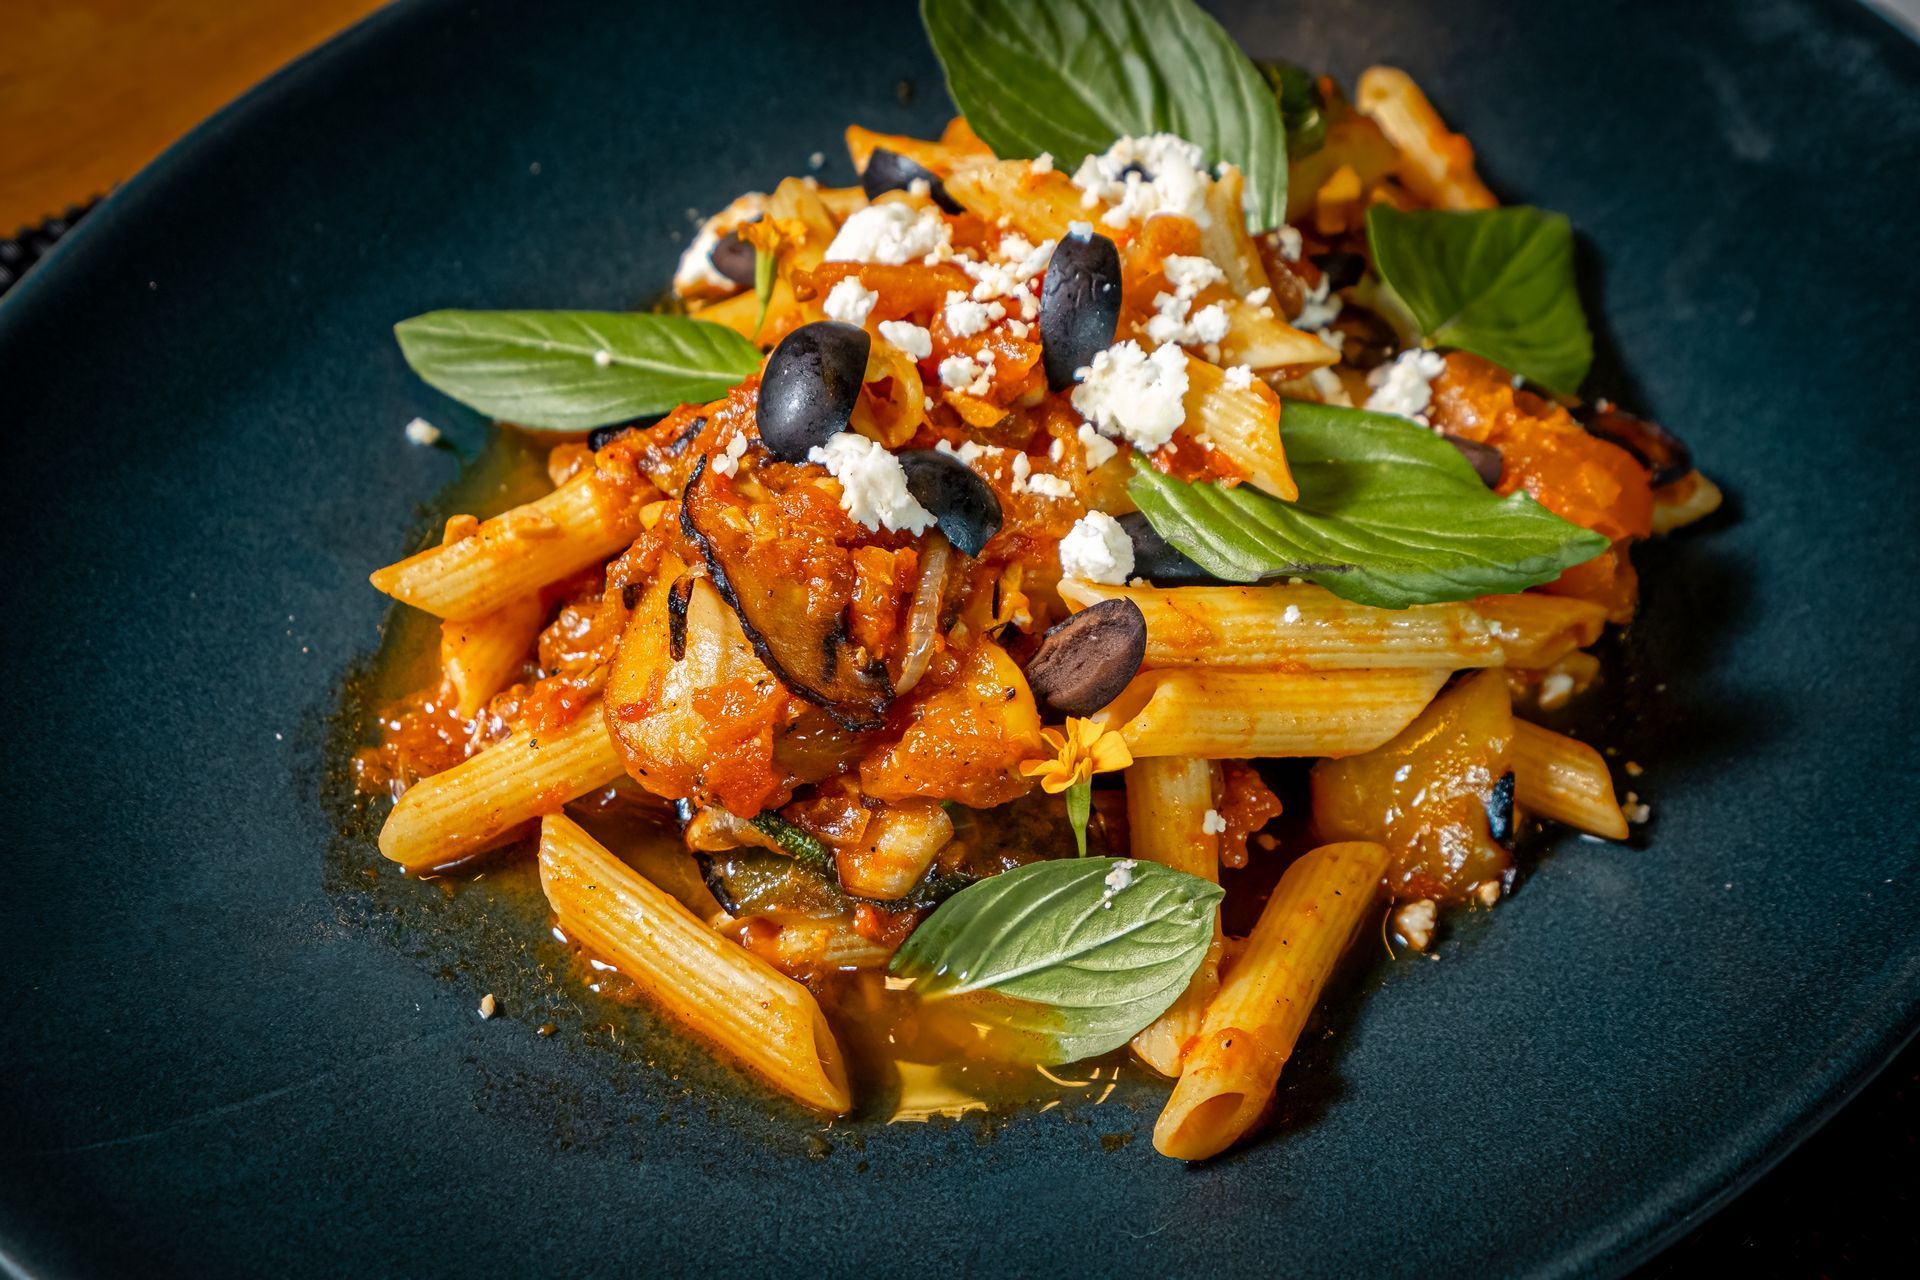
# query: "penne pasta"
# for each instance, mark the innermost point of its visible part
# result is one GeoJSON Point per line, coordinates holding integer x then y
{"type": "Point", "coordinates": [1258, 338]}
{"type": "Point", "coordinates": [1558, 777]}
{"type": "Point", "coordinates": [1253, 1024]}
{"type": "Point", "coordinates": [1168, 799]}
{"type": "Point", "coordinates": [1436, 164]}
{"type": "Point", "coordinates": [1295, 628]}
{"type": "Point", "coordinates": [1243, 423]}
{"type": "Point", "coordinates": [480, 656]}
{"type": "Point", "coordinates": [723, 992]}
{"type": "Point", "coordinates": [590, 517]}
{"type": "Point", "coordinates": [485, 799]}
{"type": "Point", "coordinates": [1535, 631]}
{"type": "Point", "coordinates": [1692, 497]}
{"type": "Point", "coordinates": [942, 157]}
{"type": "Point", "coordinates": [1232, 715]}
{"type": "Point", "coordinates": [1040, 206]}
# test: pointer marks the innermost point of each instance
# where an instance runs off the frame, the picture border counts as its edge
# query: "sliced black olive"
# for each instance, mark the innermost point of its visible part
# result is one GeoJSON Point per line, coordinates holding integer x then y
{"type": "Point", "coordinates": [811, 383]}
{"type": "Point", "coordinates": [1486, 459]}
{"type": "Point", "coordinates": [733, 258]}
{"type": "Point", "coordinates": [1083, 663]}
{"type": "Point", "coordinates": [890, 171]}
{"type": "Point", "coordinates": [809, 658]}
{"type": "Point", "coordinates": [1156, 559]}
{"type": "Point", "coordinates": [1370, 341]}
{"type": "Point", "coordinates": [1342, 270]}
{"type": "Point", "coordinates": [1658, 449]}
{"type": "Point", "coordinates": [1500, 810]}
{"type": "Point", "coordinates": [959, 499]}
{"type": "Point", "coordinates": [679, 596]}
{"type": "Point", "coordinates": [1079, 306]}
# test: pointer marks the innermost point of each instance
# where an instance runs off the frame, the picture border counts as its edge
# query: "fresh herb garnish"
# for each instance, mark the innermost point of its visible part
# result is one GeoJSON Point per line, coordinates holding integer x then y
{"type": "Point", "coordinates": [1394, 507]}
{"type": "Point", "coordinates": [574, 370]}
{"type": "Point", "coordinates": [1303, 110]}
{"type": "Point", "coordinates": [1070, 957]}
{"type": "Point", "coordinates": [806, 849]}
{"type": "Point", "coordinates": [1069, 76]}
{"type": "Point", "coordinates": [1496, 282]}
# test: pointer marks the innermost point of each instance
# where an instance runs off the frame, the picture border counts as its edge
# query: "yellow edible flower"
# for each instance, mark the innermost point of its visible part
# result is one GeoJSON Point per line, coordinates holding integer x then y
{"type": "Point", "coordinates": [1086, 748]}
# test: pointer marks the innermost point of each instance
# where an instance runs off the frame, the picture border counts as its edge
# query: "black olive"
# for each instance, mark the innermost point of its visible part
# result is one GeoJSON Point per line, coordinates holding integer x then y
{"type": "Point", "coordinates": [1156, 559]}
{"type": "Point", "coordinates": [733, 258]}
{"type": "Point", "coordinates": [1500, 810]}
{"type": "Point", "coordinates": [959, 499]}
{"type": "Point", "coordinates": [890, 171]}
{"type": "Point", "coordinates": [1657, 449]}
{"type": "Point", "coordinates": [1082, 664]}
{"type": "Point", "coordinates": [1370, 341]}
{"type": "Point", "coordinates": [600, 437]}
{"type": "Point", "coordinates": [1079, 306]}
{"type": "Point", "coordinates": [810, 385]}
{"type": "Point", "coordinates": [1486, 459]}
{"type": "Point", "coordinates": [1342, 270]}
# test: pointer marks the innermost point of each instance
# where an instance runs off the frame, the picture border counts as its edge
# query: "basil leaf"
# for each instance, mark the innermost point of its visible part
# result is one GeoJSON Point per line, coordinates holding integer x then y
{"type": "Point", "coordinates": [1070, 76]}
{"type": "Point", "coordinates": [1389, 515]}
{"type": "Point", "coordinates": [1065, 965]}
{"type": "Point", "coordinates": [573, 370]}
{"type": "Point", "coordinates": [1496, 282]}
{"type": "Point", "coordinates": [1303, 110]}
{"type": "Point", "coordinates": [805, 849]}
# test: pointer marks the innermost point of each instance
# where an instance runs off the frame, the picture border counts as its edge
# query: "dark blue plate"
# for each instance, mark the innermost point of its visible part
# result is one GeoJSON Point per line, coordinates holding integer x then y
{"type": "Point", "coordinates": [237, 1043]}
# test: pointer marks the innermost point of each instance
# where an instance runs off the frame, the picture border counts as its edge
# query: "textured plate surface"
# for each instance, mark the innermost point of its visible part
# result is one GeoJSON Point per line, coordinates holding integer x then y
{"type": "Point", "coordinates": [225, 1055]}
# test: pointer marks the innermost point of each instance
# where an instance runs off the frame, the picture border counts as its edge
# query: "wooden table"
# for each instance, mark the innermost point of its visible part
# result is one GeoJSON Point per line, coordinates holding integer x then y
{"type": "Point", "coordinates": [91, 90]}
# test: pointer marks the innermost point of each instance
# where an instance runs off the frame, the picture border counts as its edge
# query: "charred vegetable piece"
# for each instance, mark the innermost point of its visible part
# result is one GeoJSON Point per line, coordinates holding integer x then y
{"type": "Point", "coordinates": [1157, 560]}
{"type": "Point", "coordinates": [810, 386]}
{"type": "Point", "coordinates": [890, 171]}
{"type": "Point", "coordinates": [805, 850]}
{"type": "Point", "coordinates": [1486, 459]}
{"type": "Point", "coordinates": [1079, 306]}
{"type": "Point", "coordinates": [962, 502]}
{"type": "Point", "coordinates": [1342, 270]}
{"type": "Point", "coordinates": [600, 437]}
{"type": "Point", "coordinates": [1657, 448]}
{"type": "Point", "coordinates": [779, 614]}
{"type": "Point", "coordinates": [1369, 340]}
{"type": "Point", "coordinates": [733, 258]}
{"type": "Point", "coordinates": [1083, 663]}
{"type": "Point", "coordinates": [679, 596]}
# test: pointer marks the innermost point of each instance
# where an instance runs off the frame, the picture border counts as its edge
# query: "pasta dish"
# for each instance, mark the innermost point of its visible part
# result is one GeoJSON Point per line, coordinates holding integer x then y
{"type": "Point", "coordinates": [973, 563]}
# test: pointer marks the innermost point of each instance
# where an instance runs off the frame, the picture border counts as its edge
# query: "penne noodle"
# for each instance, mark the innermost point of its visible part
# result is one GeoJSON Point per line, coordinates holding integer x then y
{"type": "Point", "coordinates": [1253, 1024]}
{"type": "Point", "coordinates": [804, 945]}
{"type": "Point", "coordinates": [1692, 497]}
{"type": "Point", "coordinates": [1232, 715]}
{"type": "Point", "coordinates": [1168, 798]}
{"type": "Point", "coordinates": [1258, 338]}
{"type": "Point", "coordinates": [1535, 631]}
{"type": "Point", "coordinates": [486, 798]}
{"type": "Point", "coordinates": [1557, 777]}
{"type": "Point", "coordinates": [1225, 240]}
{"type": "Point", "coordinates": [1243, 423]}
{"type": "Point", "coordinates": [480, 656]}
{"type": "Point", "coordinates": [1295, 628]}
{"type": "Point", "coordinates": [720, 990]}
{"type": "Point", "coordinates": [584, 521]}
{"type": "Point", "coordinates": [1436, 164]}
{"type": "Point", "coordinates": [1040, 206]}
{"type": "Point", "coordinates": [942, 157]}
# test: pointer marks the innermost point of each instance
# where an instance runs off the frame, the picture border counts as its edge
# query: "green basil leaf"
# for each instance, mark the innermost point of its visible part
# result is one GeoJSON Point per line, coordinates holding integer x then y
{"type": "Point", "coordinates": [805, 849]}
{"type": "Point", "coordinates": [1496, 282]}
{"type": "Point", "coordinates": [1079, 809]}
{"type": "Point", "coordinates": [1070, 76]}
{"type": "Point", "coordinates": [1054, 955]}
{"type": "Point", "coordinates": [1303, 110]}
{"type": "Point", "coordinates": [574, 370]}
{"type": "Point", "coordinates": [1389, 515]}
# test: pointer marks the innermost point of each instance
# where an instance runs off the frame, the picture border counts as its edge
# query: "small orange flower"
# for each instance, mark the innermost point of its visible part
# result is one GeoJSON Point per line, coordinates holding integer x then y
{"type": "Point", "coordinates": [1084, 749]}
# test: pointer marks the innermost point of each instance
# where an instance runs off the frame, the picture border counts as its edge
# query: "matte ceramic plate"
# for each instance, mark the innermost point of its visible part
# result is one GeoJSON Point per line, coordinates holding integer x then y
{"type": "Point", "coordinates": [236, 1042]}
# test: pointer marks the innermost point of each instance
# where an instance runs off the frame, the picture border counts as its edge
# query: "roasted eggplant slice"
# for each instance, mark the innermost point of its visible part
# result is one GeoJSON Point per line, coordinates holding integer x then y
{"type": "Point", "coordinates": [803, 643]}
{"type": "Point", "coordinates": [1659, 450]}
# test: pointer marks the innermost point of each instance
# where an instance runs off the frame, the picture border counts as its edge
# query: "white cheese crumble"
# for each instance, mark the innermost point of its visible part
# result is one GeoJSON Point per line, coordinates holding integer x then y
{"type": "Point", "coordinates": [1212, 823]}
{"type": "Point", "coordinates": [1043, 163]}
{"type": "Point", "coordinates": [1414, 922]}
{"type": "Point", "coordinates": [1171, 323]}
{"type": "Point", "coordinates": [873, 485]}
{"type": "Point", "coordinates": [696, 276]}
{"type": "Point", "coordinates": [1239, 377]}
{"type": "Point", "coordinates": [1405, 387]}
{"type": "Point", "coordinates": [1260, 297]}
{"type": "Point", "coordinates": [969, 451]}
{"type": "Point", "coordinates": [1134, 396]}
{"type": "Point", "coordinates": [1080, 230]}
{"type": "Point", "coordinates": [850, 302]}
{"type": "Point", "coordinates": [1327, 387]}
{"type": "Point", "coordinates": [909, 337]}
{"type": "Point", "coordinates": [1139, 177]}
{"type": "Point", "coordinates": [1190, 275]}
{"type": "Point", "coordinates": [1097, 549]}
{"type": "Point", "coordinates": [1047, 486]}
{"type": "Point", "coordinates": [1291, 244]}
{"type": "Point", "coordinates": [422, 432]}
{"type": "Point", "coordinates": [1321, 307]}
{"type": "Point", "coordinates": [966, 317]}
{"type": "Point", "coordinates": [727, 462]}
{"type": "Point", "coordinates": [894, 233]}
{"type": "Point", "coordinates": [957, 372]}
{"type": "Point", "coordinates": [1120, 877]}
{"type": "Point", "coordinates": [1290, 615]}
{"type": "Point", "coordinates": [1098, 448]}
{"type": "Point", "coordinates": [1635, 811]}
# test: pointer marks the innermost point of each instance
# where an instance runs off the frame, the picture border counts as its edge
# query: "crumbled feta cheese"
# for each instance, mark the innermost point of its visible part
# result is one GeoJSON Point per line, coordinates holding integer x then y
{"type": "Point", "coordinates": [1098, 448]}
{"type": "Point", "coordinates": [1239, 378]}
{"type": "Point", "coordinates": [1260, 297]}
{"type": "Point", "coordinates": [958, 372]}
{"type": "Point", "coordinates": [696, 276]}
{"type": "Point", "coordinates": [1134, 396]}
{"type": "Point", "coordinates": [1636, 812]}
{"type": "Point", "coordinates": [1097, 549]}
{"type": "Point", "coordinates": [1080, 230]}
{"type": "Point", "coordinates": [1172, 324]}
{"type": "Point", "coordinates": [1291, 245]}
{"type": "Point", "coordinates": [919, 187]}
{"type": "Point", "coordinates": [1555, 691]}
{"type": "Point", "coordinates": [727, 462]}
{"type": "Point", "coordinates": [1139, 177]}
{"type": "Point", "coordinates": [1414, 922]}
{"type": "Point", "coordinates": [1405, 387]}
{"type": "Point", "coordinates": [1212, 823]}
{"type": "Point", "coordinates": [969, 451]}
{"type": "Point", "coordinates": [1120, 877]}
{"type": "Point", "coordinates": [873, 485]}
{"type": "Point", "coordinates": [1007, 274]}
{"type": "Point", "coordinates": [1043, 163]}
{"type": "Point", "coordinates": [894, 233]}
{"type": "Point", "coordinates": [1322, 305]}
{"type": "Point", "coordinates": [1018, 328]}
{"type": "Point", "coordinates": [1190, 275]}
{"type": "Point", "coordinates": [1327, 387]}
{"type": "Point", "coordinates": [1047, 486]}
{"type": "Point", "coordinates": [422, 432]}
{"type": "Point", "coordinates": [1290, 614]}
{"type": "Point", "coordinates": [850, 302]}
{"type": "Point", "coordinates": [909, 337]}
{"type": "Point", "coordinates": [965, 317]}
